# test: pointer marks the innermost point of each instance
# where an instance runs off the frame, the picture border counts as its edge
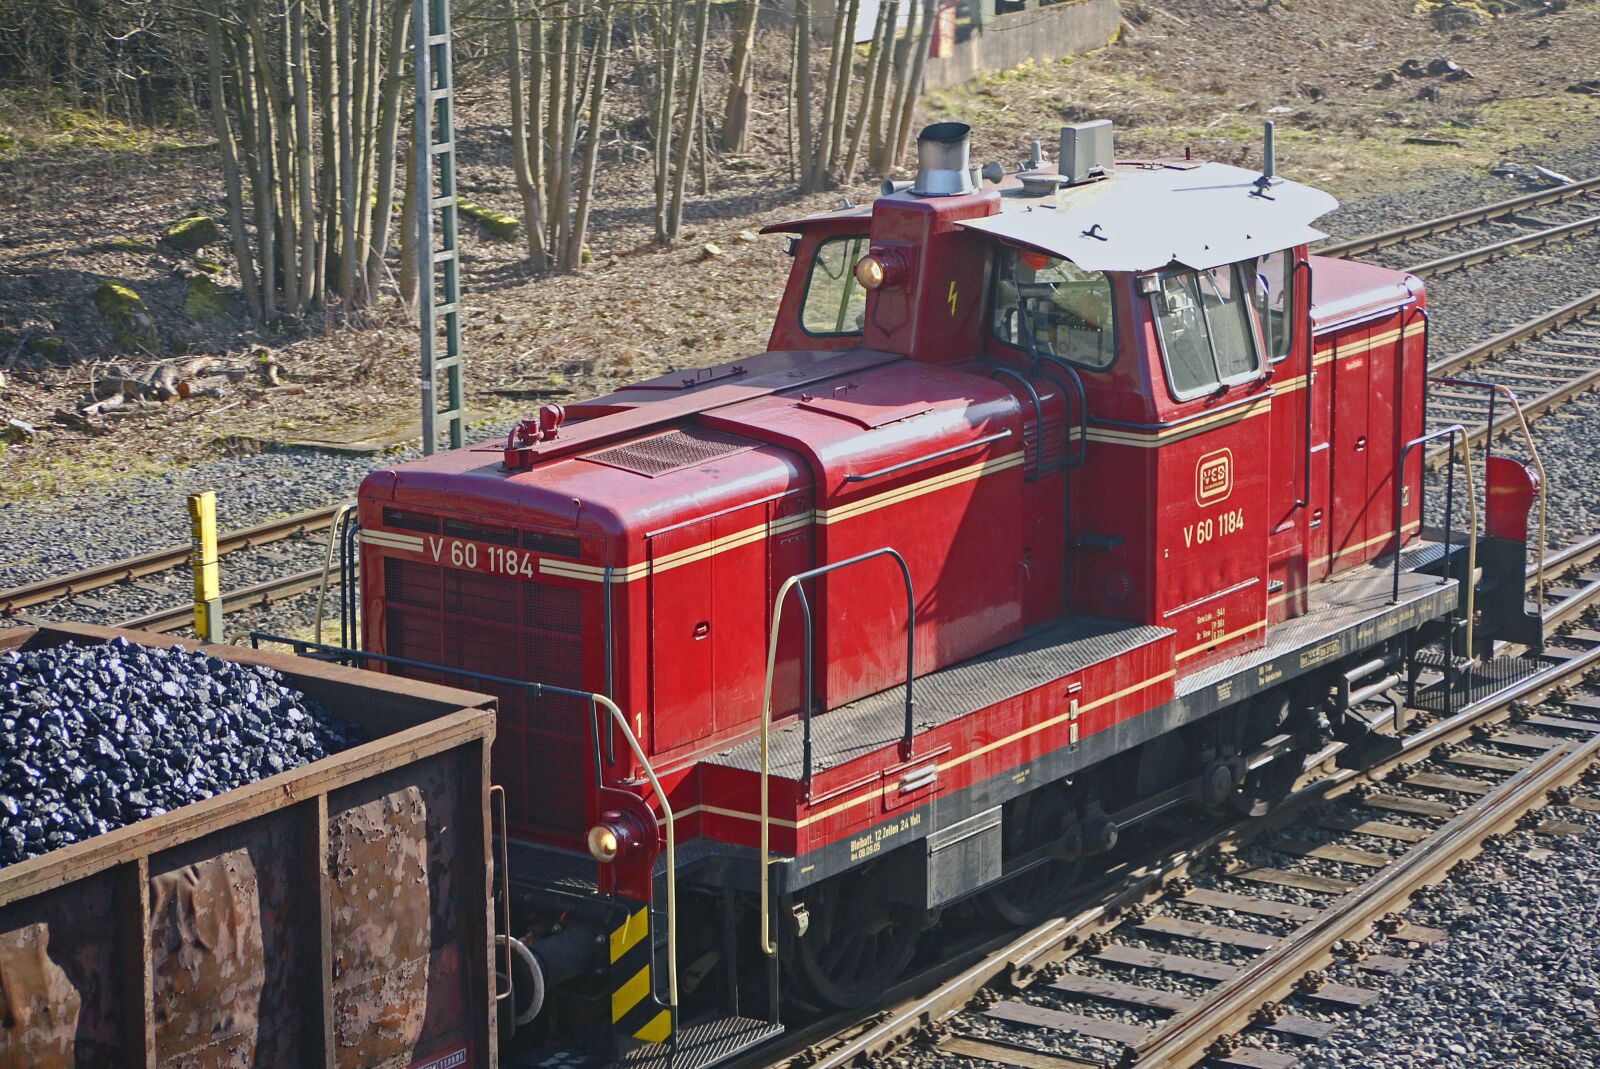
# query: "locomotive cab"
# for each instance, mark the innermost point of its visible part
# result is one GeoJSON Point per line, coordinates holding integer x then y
{"type": "Point", "coordinates": [1058, 498]}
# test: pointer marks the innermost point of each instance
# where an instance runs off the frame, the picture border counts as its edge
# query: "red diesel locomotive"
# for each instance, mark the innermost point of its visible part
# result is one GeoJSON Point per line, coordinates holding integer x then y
{"type": "Point", "coordinates": [1059, 498]}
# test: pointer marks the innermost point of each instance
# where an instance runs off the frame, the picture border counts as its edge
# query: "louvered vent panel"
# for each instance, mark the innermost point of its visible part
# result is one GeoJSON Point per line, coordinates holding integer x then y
{"type": "Point", "coordinates": [675, 449]}
{"type": "Point", "coordinates": [516, 630]}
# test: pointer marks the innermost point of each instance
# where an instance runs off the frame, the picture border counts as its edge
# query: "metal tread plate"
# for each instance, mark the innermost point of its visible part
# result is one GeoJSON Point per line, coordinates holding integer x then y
{"type": "Point", "coordinates": [703, 1044]}
{"type": "Point", "coordinates": [876, 721]}
{"type": "Point", "coordinates": [1361, 599]}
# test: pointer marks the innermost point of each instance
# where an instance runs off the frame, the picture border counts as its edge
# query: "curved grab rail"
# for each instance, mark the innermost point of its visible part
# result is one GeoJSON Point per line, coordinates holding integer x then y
{"type": "Point", "coordinates": [335, 537]}
{"type": "Point", "coordinates": [1456, 433]}
{"type": "Point", "coordinates": [1494, 389]}
{"type": "Point", "coordinates": [769, 945]}
{"type": "Point", "coordinates": [1080, 457]}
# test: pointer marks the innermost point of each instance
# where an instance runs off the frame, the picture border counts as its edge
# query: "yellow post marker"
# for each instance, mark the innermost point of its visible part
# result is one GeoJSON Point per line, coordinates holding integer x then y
{"type": "Point", "coordinates": [203, 560]}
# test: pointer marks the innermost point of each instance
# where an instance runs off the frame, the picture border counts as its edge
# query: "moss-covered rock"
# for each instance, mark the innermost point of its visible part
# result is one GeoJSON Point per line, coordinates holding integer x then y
{"type": "Point", "coordinates": [125, 313]}
{"type": "Point", "coordinates": [210, 267]}
{"type": "Point", "coordinates": [206, 299]}
{"type": "Point", "coordinates": [192, 233]}
{"type": "Point", "coordinates": [125, 245]}
{"type": "Point", "coordinates": [497, 223]}
{"type": "Point", "coordinates": [48, 346]}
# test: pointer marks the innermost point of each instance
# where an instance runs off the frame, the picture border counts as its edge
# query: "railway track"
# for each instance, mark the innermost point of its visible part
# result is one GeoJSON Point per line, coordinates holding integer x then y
{"type": "Point", "coordinates": [15, 600]}
{"type": "Point", "coordinates": [1195, 952]}
{"type": "Point", "coordinates": [1527, 232]}
{"type": "Point", "coordinates": [1548, 361]}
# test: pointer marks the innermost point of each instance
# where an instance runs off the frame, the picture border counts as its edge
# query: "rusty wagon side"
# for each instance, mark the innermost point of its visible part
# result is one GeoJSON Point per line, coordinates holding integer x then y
{"type": "Point", "coordinates": [336, 915]}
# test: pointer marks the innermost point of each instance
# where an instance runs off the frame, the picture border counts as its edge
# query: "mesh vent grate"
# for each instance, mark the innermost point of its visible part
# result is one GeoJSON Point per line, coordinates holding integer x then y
{"type": "Point", "coordinates": [671, 451]}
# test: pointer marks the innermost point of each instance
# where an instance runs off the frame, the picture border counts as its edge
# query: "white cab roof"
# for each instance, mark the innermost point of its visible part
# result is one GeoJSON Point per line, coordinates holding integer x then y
{"type": "Point", "coordinates": [1145, 217]}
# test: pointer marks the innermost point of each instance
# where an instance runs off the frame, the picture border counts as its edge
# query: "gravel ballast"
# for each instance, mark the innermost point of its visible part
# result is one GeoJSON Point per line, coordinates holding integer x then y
{"type": "Point", "coordinates": [1517, 981]}
{"type": "Point", "coordinates": [94, 738]}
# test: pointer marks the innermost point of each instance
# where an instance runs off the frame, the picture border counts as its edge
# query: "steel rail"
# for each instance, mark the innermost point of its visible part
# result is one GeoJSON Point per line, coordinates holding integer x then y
{"type": "Point", "coordinates": [1484, 213]}
{"type": "Point", "coordinates": [1018, 957]}
{"type": "Point", "coordinates": [176, 617]}
{"type": "Point", "coordinates": [1551, 399]}
{"type": "Point", "coordinates": [1490, 348]}
{"type": "Point", "coordinates": [1522, 242]}
{"type": "Point", "coordinates": [1271, 977]}
{"type": "Point", "coordinates": [161, 560]}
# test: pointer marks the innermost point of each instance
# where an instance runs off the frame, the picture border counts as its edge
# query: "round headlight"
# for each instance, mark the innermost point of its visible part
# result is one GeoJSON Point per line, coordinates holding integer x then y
{"type": "Point", "coordinates": [604, 842]}
{"type": "Point", "coordinates": [871, 272]}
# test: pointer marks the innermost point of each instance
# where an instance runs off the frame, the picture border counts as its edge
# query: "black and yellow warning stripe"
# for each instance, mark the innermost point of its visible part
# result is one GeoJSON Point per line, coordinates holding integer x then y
{"type": "Point", "coordinates": [634, 1009]}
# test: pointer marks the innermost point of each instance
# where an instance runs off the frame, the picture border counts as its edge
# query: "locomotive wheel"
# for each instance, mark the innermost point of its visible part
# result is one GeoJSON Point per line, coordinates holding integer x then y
{"type": "Point", "coordinates": [1263, 788]}
{"type": "Point", "coordinates": [858, 942]}
{"type": "Point", "coordinates": [1037, 893]}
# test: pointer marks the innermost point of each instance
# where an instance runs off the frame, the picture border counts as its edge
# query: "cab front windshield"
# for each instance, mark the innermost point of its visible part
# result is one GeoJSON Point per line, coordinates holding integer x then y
{"type": "Point", "coordinates": [1055, 305]}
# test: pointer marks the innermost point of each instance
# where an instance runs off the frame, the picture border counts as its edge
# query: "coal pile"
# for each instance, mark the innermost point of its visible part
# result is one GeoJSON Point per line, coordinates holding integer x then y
{"type": "Point", "coordinates": [94, 738]}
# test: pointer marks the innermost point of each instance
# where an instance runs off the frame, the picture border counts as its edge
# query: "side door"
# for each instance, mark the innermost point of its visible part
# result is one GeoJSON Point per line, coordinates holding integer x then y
{"type": "Point", "coordinates": [681, 658]}
{"type": "Point", "coordinates": [1351, 405]}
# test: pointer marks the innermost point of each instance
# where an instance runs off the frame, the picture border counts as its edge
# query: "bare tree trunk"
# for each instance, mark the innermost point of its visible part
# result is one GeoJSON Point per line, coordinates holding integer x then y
{"type": "Point", "coordinates": [591, 147]}
{"type": "Point", "coordinates": [802, 88]}
{"type": "Point", "coordinates": [872, 83]}
{"type": "Point", "coordinates": [394, 84]}
{"type": "Point", "coordinates": [258, 150]}
{"type": "Point", "coordinates": [839, 53]}
{"type": "Point", "coordinates": [691, 108]}
{"type": "Point", "coordinates": [667, 33]}
{"type": "Point", "coordinates": [347, 160]}
{"type": "Point", "coordinates": [230, 165]}
{"type": "Point", "coordinates": [327, 283]}
{"type": "Point", "coordinates": [741, 79]}
{"type": "Point", "coordinates": [841, 103]}
{"type": "Point", "coordinates": [524, 117]}
{"type": "Point", "coordinates": [919, 59]}
{"type": "Point", "coordinates": [274, 147]}
{"type": "Point", "coordinates": [305, 170]}
{"type": "Point", "coordinates": [410, 274]}
{"type": "Point", "coordinates": [903, 60]}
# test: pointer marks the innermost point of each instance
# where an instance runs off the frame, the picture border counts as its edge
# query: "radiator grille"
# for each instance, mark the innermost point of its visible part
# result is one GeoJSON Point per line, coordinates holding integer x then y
{"type": "Point", "coordinates": [675, 449]}
{"type": "Point", "coordinates": [480, 532]}
{"type": "Point", "coordinates": [400, 520]}
{"type": "Point", "coordinates": [518, 630]}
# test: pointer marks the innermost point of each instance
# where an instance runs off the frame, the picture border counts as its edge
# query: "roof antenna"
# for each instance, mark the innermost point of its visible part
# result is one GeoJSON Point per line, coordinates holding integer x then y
{"type": "Point", "coordinates": [1268, 162]}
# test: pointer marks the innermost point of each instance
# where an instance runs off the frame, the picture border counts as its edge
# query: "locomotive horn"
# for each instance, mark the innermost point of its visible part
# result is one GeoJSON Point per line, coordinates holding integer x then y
{"type": "Point", "coordinates": [943, 165]}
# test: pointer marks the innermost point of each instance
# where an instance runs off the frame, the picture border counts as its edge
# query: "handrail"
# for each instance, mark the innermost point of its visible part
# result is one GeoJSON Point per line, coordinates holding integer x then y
{"type": "Point", "coordinates": [537, 690]}
{"type": "Point", "coordinates": [769, 946]}
{"type": "Point", "coordinates": [1038, 416]}
{"type": "Point", "coordinates": [1533, 452]}
{"type": "Point", "coordinates": [1453, 432]}
{"type": "Point", "coordinates": [335, 537]}
{"type": "Point", "coordinates": [1311, 370]}
{"type": "Point", "coordinates": [938, 455]}
{"type": "Point", "coordinates": [1081, 457]}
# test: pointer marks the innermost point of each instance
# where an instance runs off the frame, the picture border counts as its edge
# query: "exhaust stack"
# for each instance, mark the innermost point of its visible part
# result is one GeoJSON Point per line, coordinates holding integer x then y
{"type": "Point", "coordinates": [944, 168]}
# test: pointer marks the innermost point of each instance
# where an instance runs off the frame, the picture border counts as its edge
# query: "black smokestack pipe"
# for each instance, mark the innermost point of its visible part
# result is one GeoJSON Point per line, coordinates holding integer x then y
{"type": "Point", "coordinates": [944, 167]}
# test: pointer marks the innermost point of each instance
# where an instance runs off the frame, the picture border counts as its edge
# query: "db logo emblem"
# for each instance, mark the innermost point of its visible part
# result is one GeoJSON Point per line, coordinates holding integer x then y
{"type": "Point", "coordinates": [1213, 477]}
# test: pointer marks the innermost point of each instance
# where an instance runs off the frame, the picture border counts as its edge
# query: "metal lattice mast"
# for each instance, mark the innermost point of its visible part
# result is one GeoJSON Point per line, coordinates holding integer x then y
{"type": "Point", "coordinates": [439, 291]}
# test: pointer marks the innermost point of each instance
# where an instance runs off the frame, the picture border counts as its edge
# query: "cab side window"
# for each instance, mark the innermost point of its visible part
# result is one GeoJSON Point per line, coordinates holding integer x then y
{"type": "Point", "coordinates": [1203, 323]}
{"type": "Point", "coordinates": [835, 303]}
{"type": "Point", "coordinates": [1056, 305]}
{"type": "Point", "coordinates": [1275, 303]}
